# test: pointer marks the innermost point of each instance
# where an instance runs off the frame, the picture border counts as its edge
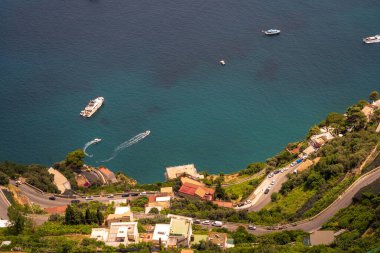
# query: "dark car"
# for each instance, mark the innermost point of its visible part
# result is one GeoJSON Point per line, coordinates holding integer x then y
{"type": "Point", "coordinates": [197, 221]}
{"type": "Point", "coordinates": [135, 194]}
{"type": "Point", "coordinates": [276, 171]}
{"type": "Point", "coordinates": [266, 191]}
{"type": "Point", "coordinates": [125, 195]}
{"type": "Point", "coordinates": [52, 198]}
{"type": "Point", "coordinates": [75, 201]}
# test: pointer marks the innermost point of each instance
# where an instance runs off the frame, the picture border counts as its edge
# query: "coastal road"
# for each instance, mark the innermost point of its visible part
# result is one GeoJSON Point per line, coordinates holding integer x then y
{"type": "Point", "coordinates": [316, 222]}
{"type": "Point", "coordinates": [3, 207]}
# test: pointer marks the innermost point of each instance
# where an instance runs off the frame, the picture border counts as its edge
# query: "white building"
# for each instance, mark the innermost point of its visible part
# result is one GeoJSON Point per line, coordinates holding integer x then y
{"type": "Point", "coordinates": [177, 171]}
{"type": "Point", "coordinates": [161, 231]}
{"type": "Point", "coordinates": [100, 234]}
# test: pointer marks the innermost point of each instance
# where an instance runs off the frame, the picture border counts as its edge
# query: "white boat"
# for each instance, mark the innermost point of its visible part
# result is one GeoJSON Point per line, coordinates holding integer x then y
{"type": "Point", "coordinates": [222, 62]}
{"type": "Point", "coordinates": [92, 107]}
{"type": "Point", "coordinates": [147, 132]}
{"type": "Point", "coordinates": [96, 140]}
{"type": "Point", "coordinates": [372, 39]}
{"type": "Point", "coordinates": [271, 32]}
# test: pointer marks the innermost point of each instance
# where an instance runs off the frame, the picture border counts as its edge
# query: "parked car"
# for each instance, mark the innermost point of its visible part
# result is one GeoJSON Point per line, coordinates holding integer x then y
{"type": "Point", "coordinates": [75, 201]}
{"type": "Point", "coordinates": [197, 221]}
{"type": "Point", "coordinates": [52, 198]}
{"type": "Point", "coordinates": [273, 181]}
{"type": "Point", "coordinates": [295, 172]}
{"type": "Point", "coordinates": [282, 170]}
{"type": "Point", "coordinates": [110, 196]}
{"type": "Point", "coordinates": [89, 198]}
{"type": "Point", "coordinates": [251, 227]}
{"type": "Point", "coordinates": [276, 171]}
{"type": "Point", "coordinates": [266, 191]}
{"type": "Point", "coordinates": [206, 222]}
{"type": "Point", "coordinates": [125, 195]}
{"type": "Point", "coordinates": [217, 224]}
{"type": "Point", "coordinates": [240, 204]}
{"type": "Point", "coordinates": [134, 194]}
{"type": "Point", "coordinates": [249, 201]}
{"type": "Point", "coordinates": [142, 193]}
{"type": "Point", "coordinates": [293, 164]}
{"type": "Point", "coordinates": [269, 186]}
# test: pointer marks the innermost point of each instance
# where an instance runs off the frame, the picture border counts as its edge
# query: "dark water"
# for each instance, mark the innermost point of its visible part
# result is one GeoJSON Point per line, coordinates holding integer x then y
{"type": "Point", "coordinates": [156, 64]}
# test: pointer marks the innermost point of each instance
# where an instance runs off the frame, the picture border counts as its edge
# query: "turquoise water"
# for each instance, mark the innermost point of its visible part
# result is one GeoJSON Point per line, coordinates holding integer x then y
{"type": "Point", "coordinates": [156, 64]}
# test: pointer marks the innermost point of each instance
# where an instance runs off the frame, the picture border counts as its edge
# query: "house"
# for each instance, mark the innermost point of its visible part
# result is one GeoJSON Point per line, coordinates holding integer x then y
{"type": "Point", "coordinates": [319, 140]}
{"type": "Point", "coordinates": [368, 111]}
{"type": "Point", "coordinates": [167, 191]}
{"type": "Point", "coordinates": [122, 233]}
{"type": "Point", "coordinates": [180, 231]}
{"type": "Point", "coordinates": [159, 202]}
{"type": "Point", "coordinates": [308, 151]}
{"type": "Point", "coordinates": [146, 237]}
{"type": "Point", "coordinates": [219, 239]}
{"type": "Point", "coordinates": [121, 214]}
{"type": "Point", "coordinates": [177, 171]}
{"type": "Point", "coordinates": [109, 175]}
{"type": "Point", "coordinates": [196, 239]}
{"type": "Point", "coordinates": [320, 237]}
{"type": "Point", "coordinates": [305, 165]}
{"type": "Point", "coordinates": [82, 181]}
{"type": "Point", "coordinates": [196, 191]}
{"type": "Point", "coordinates": [161, 234]}
{"type": "Point", "coordinates": [100, 234]}
{"type": "Point", "coordinates": [60, 180]}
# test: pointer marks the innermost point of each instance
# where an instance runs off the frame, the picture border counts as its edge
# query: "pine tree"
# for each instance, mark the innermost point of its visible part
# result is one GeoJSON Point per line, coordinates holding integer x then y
{"type": "Point", "coordinates": [100, 217]}
{"type": "Point", "coordinates": [69, 215]}
{"type": "Point", "coordinates": [87, 216]}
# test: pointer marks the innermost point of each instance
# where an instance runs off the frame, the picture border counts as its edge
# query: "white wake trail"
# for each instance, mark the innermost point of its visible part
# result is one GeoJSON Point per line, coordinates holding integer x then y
{"type": "Point", "coordinates": [86, 146]}
{"type": "Point", "coordinates": [127, 144]}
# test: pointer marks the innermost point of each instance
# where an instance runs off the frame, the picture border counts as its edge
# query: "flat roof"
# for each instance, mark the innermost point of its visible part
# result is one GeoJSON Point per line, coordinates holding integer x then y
{"type": "Point", "coordinates": [161, 231]}
{"type": "Point", "coordinates": [174, 172]}
{"type": "Point", "coordinates": [179, 227]}
{"type": "Point", "coordinates": [122, 209]}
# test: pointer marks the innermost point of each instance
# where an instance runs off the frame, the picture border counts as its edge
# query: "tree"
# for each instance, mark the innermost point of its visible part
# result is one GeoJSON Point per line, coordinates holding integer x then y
{"type": "Point", "coordinates": [100, 217]}
{"type": "Point", "coordinates": [87, 216]}
{"type": "Point", "coordinates": [274, 197]}
{"type": "Point", "coordinates": [220, 193]}
{"type": "Point", "coordinates": [374, 96]}
{"type": "Point", "coordinates": [17, 219]}
{"type": "Point", "coordinates": [154, 210]}
{"type": "Point", "coordinates": [312, 131]}
{"type": "Point", "coordinates": [335, 118]}
{"type": "Point", "coordinates": [4, 179]}
{"type": "Point", "coordinates": [74, 159]}
{"type": "Point", "coordinates": [69, 215]}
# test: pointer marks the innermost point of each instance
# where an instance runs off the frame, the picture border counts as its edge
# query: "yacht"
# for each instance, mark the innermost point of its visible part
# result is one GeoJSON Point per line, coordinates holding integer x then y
{"type": "Point", "coordinates": [92, 107]}
{"type": "Point", "coordinates": [222, 62]}
{"type": "Point", "coordinates": [372, 39]}
{"type": "Point", "coordinates": [147, 132]}
{"type": "Point", "coordinates": [271, 32]}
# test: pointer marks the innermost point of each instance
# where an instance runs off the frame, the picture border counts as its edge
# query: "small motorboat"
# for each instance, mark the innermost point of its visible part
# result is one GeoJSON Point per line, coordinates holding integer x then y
{"type": "Point", "coordinates": [96, 140]}
{"type": "Point", "coordinates": [271, 32]}
{"type": "Point", "coordinates": [222, 62]}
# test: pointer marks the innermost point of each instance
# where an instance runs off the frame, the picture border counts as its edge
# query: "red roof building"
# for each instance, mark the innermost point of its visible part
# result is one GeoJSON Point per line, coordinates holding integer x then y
{"type": "Point", "coordinates": [197, 191]}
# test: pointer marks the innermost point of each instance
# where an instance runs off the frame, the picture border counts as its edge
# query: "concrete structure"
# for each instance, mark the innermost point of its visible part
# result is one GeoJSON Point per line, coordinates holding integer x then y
{"type": "Point", "coordinates": [178, 171]}
{"type": "Point", "coordinates": [117, 202]}
{"type": "Point", "coordinates": [321, 238]}
{"type": "Point", "coordinates": [122, 214]}
{"type": "Point", "coordinates": [368, 111]}
{"type": "Point", "coordinates": [196, 191]}
{"type": "Point", "coordinates": [4, 223]}
{"type": "Point", "coordinates": [198, 238]}
{"type": "Point", "coordinates": [319, 140]}
{"type": "Point", "coordinates": [122, 233]}
{"type": "Point", "coordinates": [60, 180]}
{"type": "Point", "coordinates": [159, 202]}
{"type": "Point", "coordinates": [122, 210]}
{"type": "Point", "coordinates": [161, 232]}
{"type": "Point", "coordinates": [180, 231]}
{"type": "Point", "coordinates": [100, 234]}
{"type": "Point", "coordinates": [305, 165]}
{"type": "Point", "coordinates": [219, 239]}
{"type": "Point", "coordinates": [308, 151]}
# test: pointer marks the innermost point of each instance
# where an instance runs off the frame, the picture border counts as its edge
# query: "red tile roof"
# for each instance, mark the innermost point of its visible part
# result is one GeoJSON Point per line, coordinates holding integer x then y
{"type": "Point", "coordinates": [195, 190]}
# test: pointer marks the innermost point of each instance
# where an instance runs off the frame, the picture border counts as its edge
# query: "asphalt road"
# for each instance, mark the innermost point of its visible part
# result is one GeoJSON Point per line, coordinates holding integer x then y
{"type": "Point", "coordinates": [3, 208]}
{"type": "Point", "coordinates": [310, 225]}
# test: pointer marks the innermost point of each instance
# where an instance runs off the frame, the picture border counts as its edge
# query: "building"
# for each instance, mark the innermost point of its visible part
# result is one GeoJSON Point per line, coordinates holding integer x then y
{"type": "Point", "coordinates": [196, 191]}
{"type": "Point", "coordinates": [180, 231]}
{"type": "Point", "coordinates": [307, 151]}
{"type": "Point", "coordinates": [121, 214]}
{"type": "Point", "coordinates": [319, 140]}
{"type": "Point", "coordinates": [167, 191]}
{"type": "Point", "coordinates": [4, 223]}
{"type": "Point", "coordinates": [178, 171]}
{"type": "Point", "coordinates": [159, 202]}
{"type": "Point", "coordinates": [100, 234]}
{"type": "Point", "coordinates": [109, 175]}
{"type": "Point", "coordinates": [60, 180]}
{"type": "Point", "coordinates": [117, 202]}
{"type": "Point", "coordinates": [368, 111]}
{"type": "Point", "coordinates": [161, 234]}
{"type": "Point", "coordinates": [122, 233]}
{"type": "Point", "coordinates": [320, 238]}
{"type": "Point", "coordinates": [219, 239]}
{"type": "Point", "coordinates": [118, 233]}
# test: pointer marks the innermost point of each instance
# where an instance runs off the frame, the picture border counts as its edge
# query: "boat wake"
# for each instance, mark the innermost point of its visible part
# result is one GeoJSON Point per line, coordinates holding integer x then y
{"type": "Point", "coordinates": [89, 144]}
{"type": "Point", "coordinates": [125, 145]}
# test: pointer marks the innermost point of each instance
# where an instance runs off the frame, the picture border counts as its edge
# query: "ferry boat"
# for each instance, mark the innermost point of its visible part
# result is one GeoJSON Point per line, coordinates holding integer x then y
{"type": "Point", "coordinates": [271, 32]}
{"type": "Point", "coordinates": [92, 107]}
{"type": "Point", "coordinates": [372, 39]}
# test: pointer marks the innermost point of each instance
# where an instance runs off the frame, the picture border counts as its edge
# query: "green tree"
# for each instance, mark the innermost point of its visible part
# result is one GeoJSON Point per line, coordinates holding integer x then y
{"type": "Point", "coordinates": [69, 215]}
{"type": "Point", "coordinates": [100, 217]}
{"type": "Point", "coordinates": [74, 159]}
{"type": "Point", "coordinates": [4, 179]}
{"type": "Point", "coordinates": [312, 131]}
{"type": "Point", "coordinates": [17, 219]}
{"type": "Point", "coordinates": [88, 216]}
{"type": "Point", "coordinates": [335, 118]}
{"type": "Point", "coordinates": [374, 95]}
{"type": "Point", "coordinates": [154, 211]}
{"type": "Point", "coordinates": [274, 196]}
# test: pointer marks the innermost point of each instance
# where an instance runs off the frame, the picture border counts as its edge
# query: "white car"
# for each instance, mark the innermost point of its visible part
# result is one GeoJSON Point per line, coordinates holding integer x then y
{"type": "Point", "coordinates": [273, 181]}
{"type": "Point", "coordinates": [293, 164]}
{"type": "Point", "coordinates": [89, 198]}
{"type": "Point", "coordinates": [282, 170]}
{"type": "Point", "coordinates": [206, 222]}
{"type": "Point", "coordinates": [269, 186]}
{"type": "Point", "coordinates": [143, 194]}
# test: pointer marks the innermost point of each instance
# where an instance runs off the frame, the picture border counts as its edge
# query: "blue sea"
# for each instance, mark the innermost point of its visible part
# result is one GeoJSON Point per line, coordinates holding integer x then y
{"type": "Point", "coordinates": [157, 65]}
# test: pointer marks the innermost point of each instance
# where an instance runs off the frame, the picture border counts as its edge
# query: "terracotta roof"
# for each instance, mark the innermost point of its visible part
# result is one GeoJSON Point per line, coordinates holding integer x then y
{"type": "Point", "coordinates": [188, 189]}
{"type": "Point", "coordinates": [56, 209]}
{"type": "Point", "coordinates": [223, 204]}
{"type": "Point", "coordinates": [191, 181]}
{"type": "Point", "coordinates": [200, 192]}
{"type": "Point", "coordinates": [196, 190]}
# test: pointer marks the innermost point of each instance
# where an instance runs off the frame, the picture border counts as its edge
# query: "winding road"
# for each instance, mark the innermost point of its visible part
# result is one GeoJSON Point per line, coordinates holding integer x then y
{"type": "Point", "coordinates": [3, 206]}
